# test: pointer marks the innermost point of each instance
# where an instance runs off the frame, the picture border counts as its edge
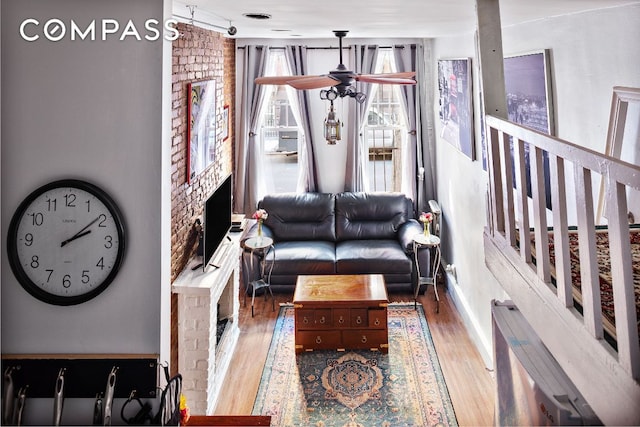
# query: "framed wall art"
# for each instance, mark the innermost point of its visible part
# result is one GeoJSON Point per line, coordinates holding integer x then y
{"type": "Point", "coordinates": [456, 104]}
{"type": "Point", "coordinates": [527, 80]}
{"type": "Point", "coordinates": [623, 142]}
{"type": "Point", "coordinates": [201, 131]}
{"type": "Point", "coordinates": [225, 122]}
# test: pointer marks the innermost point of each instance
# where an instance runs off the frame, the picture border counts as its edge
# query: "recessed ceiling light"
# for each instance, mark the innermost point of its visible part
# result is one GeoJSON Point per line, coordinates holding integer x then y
{"type": "Point", "coordinates": [257, 15]}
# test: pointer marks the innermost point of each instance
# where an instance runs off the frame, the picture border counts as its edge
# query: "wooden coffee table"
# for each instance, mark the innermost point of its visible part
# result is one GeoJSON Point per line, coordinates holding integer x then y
{"type": "Point", "coordinates": [341, 312]}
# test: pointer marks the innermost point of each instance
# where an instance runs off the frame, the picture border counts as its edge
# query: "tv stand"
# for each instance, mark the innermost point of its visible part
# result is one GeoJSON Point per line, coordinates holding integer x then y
{"type": "Point", "coordinates": [204, 297]}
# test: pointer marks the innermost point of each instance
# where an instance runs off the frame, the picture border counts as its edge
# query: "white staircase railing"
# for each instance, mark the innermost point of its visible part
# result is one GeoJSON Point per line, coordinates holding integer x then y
{"type": "Point", "coordinates": [563, 174]}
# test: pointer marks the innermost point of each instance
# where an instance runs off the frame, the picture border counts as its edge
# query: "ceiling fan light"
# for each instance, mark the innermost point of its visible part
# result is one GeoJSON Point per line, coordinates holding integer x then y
{"type": "Point", "coordinates": [332, 127]}
{"type": "Point", "coordinates": [328, 94]}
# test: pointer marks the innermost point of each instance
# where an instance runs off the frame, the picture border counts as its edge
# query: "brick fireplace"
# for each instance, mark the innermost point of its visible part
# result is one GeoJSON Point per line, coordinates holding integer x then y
{"type": "Point", "coordinates": [205, 300]}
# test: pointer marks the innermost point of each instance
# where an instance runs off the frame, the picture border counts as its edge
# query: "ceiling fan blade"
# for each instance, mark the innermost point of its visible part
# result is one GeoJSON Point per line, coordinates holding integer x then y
{"type": "Point", "coordinates": [400, 75]}
{"type": "Point", "coordinates": [276, 80]}
{"type": "Point", "coordinates": [373, 78]}
{"type": "Point", "coordinates": [313, 82]}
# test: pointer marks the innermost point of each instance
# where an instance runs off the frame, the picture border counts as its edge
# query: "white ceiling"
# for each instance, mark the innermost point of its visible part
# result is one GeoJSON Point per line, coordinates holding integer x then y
{"type": "Point", "coordinates": [368, 18]}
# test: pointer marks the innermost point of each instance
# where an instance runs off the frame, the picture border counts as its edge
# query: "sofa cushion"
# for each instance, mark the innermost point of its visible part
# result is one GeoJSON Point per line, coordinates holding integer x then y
{"type": "Point", "coordinates": [371, 257]}
{"type": "Point", "coordinates": [308, 216]}
{"type": "Point", "coordinates": [370, 215]}
{"type": "Point", "coordinates": [310, 257]}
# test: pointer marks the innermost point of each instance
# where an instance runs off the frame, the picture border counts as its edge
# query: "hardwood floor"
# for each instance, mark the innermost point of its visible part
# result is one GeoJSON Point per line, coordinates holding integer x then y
{"type": "Point", "coordinates": [470, 384]}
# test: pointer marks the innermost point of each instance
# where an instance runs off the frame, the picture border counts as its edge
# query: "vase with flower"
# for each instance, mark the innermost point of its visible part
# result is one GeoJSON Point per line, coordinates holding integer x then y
{"type": "Point", "coordinates": [426, 218]}
{"type": "Point", "coordinates": [184, 410]}
{"type": "Point", "coordinates": [260, 215]}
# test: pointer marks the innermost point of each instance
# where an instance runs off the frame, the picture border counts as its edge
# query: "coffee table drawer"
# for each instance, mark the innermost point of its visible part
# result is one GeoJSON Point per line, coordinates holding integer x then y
{"type": "Point", "coordinates": [317, 340]}
{"type": "Point", "coordinates": [341, 318]}
{"type": "Point", "coordinates": [378, 318]}
{"type": "Point", "coordinates": [359, 318]}
{"type": "Point", "coordinates": [364, 338]}
{"type": "Point", "coordinates": [319, 318]}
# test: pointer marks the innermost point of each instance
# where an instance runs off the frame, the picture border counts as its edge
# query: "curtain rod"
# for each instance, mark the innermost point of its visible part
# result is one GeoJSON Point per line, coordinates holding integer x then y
{"type": "Point", "coordinates": [331, 47]}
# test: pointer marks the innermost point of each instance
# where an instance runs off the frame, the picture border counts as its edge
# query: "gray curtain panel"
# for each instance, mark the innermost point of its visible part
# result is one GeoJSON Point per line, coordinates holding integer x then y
{"type": "Point", "coordinates": [248, 167]}
{"type": "Point", "coordinates": [406, 57]}
{"type": "Point", "coordinates": [308, 176]}
{"type": "Point", "coordinates": [364, 58]}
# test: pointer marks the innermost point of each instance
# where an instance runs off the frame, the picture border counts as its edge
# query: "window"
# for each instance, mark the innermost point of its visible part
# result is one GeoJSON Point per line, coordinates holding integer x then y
{"type": "Point", "coordinates": [279, 133]}
{"type": "Point", "coordinates": [385, 130]}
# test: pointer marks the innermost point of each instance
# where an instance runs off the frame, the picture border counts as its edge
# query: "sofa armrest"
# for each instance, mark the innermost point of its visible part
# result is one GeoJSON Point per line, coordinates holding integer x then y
{"type": "Point", "coordinates": [406, 233]}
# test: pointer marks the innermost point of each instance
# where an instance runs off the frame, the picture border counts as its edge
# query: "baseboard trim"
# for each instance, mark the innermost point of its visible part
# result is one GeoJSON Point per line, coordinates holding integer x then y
{"type": "Point", "coordinates": [485, 348]}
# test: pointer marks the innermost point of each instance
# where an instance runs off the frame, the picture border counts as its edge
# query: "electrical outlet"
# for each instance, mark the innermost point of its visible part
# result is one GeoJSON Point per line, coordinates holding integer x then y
{"type": "Point", "coordinates": [451, 269]}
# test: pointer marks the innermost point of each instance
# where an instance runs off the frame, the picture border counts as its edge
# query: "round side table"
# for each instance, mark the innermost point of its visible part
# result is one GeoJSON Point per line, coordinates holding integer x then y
{"type": "Point", "coordinates": [432, 243]}
{"type": "Point", "coordinates": [261, 244]}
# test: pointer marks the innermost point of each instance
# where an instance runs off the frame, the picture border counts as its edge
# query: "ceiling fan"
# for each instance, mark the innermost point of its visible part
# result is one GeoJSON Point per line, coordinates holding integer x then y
{"type": "Point", "coordinates": [340, 81]}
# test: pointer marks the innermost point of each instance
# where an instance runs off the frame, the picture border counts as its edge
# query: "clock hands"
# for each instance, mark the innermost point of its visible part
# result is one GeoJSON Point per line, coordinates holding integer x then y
{"type": "Point", "coordinates": [77, 236]}
{"type": "Point", "coordinates": [80, 233]}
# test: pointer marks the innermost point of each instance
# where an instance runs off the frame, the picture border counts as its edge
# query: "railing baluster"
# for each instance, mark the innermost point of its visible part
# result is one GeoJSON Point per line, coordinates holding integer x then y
{"type": "Point", "coordinates": [523, 200]}
{"type": "Point", "coordinates": [560, 230]}
{"type": "Point", "coordinates": [507, 185]}
{"type": "Point", "coordinates": [622, 278]}
{"type": "Point", "coordinates": [495, 182]}
{"type": "Point", "coordinates": [540, 214]}
{"type": "Point", "coordinates": [590, 285]}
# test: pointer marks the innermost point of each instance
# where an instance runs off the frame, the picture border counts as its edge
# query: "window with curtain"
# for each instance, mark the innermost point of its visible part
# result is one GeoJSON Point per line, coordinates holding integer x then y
{"type": "Point", "coordinates": [385, 131]}
{"type": "Point", "coordinates": [279, 132]}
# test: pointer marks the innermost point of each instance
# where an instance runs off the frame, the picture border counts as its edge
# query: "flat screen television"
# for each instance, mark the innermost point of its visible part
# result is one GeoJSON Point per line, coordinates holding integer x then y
{"type": "Point", "coordinates": [217, 219]}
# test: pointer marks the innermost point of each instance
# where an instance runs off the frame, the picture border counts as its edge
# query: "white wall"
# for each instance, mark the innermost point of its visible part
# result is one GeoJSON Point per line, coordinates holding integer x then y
{"type": "Point", "coordinates": [591, 53]}
{"type": "Point", "coordinates": [462, 189]}
{"type": "Point", "coordinates": [90, 110]}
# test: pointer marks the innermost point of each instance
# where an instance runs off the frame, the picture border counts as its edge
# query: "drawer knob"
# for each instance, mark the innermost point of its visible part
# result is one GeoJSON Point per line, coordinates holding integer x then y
{"type": "Point", "coordinates": [376, 322]}
{"type": "Point", "coordinates": [341, 320]}
{"type": "Point", "coordinates": [305, 320]}
{"type": "Point", "coordinates": [358, 320]}
{"type": "Point", "coordinates": [322, 320]}
{"type": "Point", "coordinates": [318, 340]}
{"type": "Point", "coordinates": [364, 339]}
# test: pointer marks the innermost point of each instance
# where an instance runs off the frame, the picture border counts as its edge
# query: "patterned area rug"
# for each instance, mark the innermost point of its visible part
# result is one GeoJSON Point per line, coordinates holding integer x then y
{"type": "Point", "coordinates": [604, 266]}
{"type": "Point", "coordinates": [356, 388]}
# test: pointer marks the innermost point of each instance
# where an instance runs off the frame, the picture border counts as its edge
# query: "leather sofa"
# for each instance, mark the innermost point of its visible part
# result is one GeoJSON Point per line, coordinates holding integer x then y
{"type": "Point", "coordinates": [343, 233]}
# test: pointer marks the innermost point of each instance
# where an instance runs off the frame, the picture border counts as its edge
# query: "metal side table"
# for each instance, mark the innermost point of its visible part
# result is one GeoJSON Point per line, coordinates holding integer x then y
{"type": "Point", "coordinates": [263, 245]}
{"type": "Point", "coordinates": [432, 243]}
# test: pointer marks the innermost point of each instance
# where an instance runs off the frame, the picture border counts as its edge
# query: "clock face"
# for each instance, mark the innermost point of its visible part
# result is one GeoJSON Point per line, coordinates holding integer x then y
{"type": "Point", "coordinates": [66, 242]}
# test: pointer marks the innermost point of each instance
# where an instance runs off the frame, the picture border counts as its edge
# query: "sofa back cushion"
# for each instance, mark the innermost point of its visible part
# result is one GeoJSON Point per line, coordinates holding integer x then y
{"type": "Point", "coordinates": [370, 215]}
{"type": "Point", "coordinates": [307, 216]}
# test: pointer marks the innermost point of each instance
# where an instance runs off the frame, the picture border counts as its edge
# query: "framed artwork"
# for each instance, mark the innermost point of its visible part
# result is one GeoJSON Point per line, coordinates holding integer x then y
{"type": "Point", "coordinates": [201, 132]}
{"type": "Point", "coordinates": [456, 104]}
{"type": "Point", "coordinates": [225, 122]}
{"type": "Point", "coordinates": [527, 79]}
{"type": "Point", "coordinates": [623, 142]}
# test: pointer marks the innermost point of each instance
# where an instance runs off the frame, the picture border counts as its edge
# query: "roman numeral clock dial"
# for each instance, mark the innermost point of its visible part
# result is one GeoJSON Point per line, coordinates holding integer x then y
{"type": "Point", "coordinates": [66, 242]}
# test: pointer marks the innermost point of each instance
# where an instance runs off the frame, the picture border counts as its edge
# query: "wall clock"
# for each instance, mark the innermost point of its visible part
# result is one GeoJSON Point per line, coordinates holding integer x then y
{"type": "Point", "coordinates": [66, 242]}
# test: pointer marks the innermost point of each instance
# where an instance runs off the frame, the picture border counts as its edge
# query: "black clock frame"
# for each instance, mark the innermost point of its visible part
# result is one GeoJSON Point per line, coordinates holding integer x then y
{"type": "Point", "coordinates": [12, 241]}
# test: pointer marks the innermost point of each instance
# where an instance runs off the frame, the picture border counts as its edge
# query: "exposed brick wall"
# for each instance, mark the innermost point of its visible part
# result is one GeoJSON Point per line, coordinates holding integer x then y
{"type": "Point", "coordinates": [198, 54]}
